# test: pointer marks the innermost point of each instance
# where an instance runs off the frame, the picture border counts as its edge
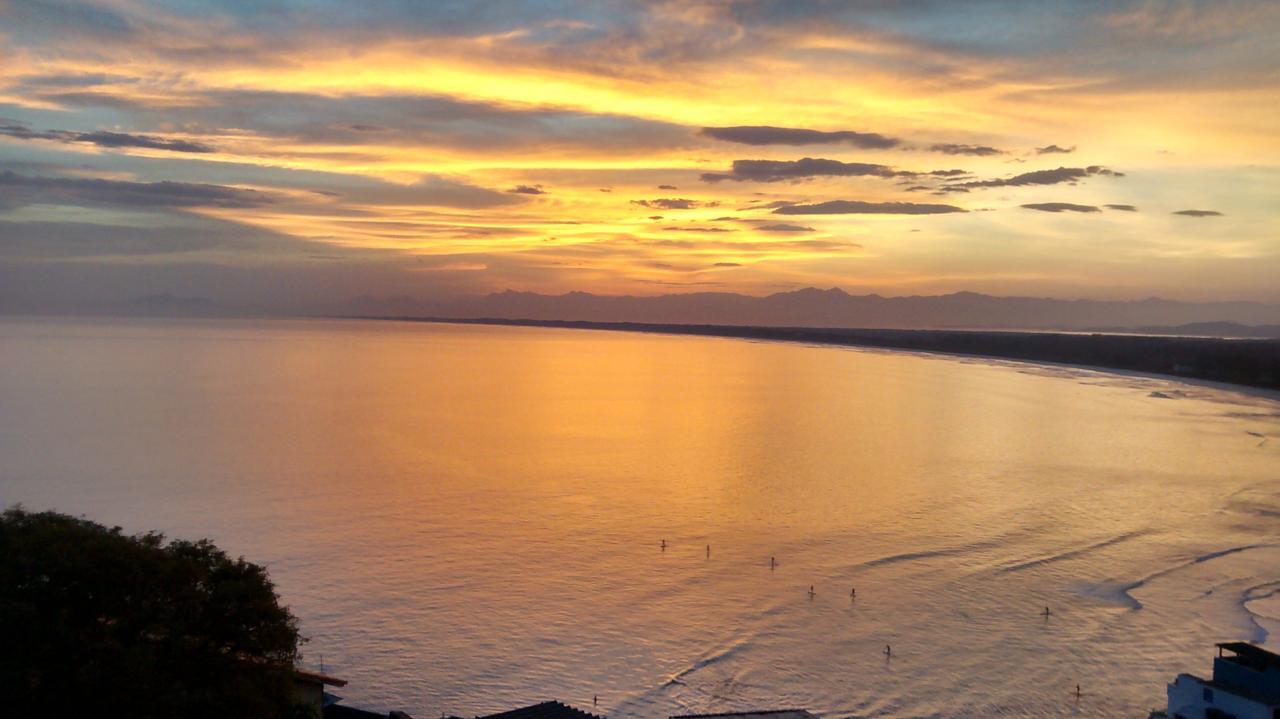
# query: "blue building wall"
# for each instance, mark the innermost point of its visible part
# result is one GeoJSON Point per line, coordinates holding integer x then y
{"type": "Point", "coordinates": [1263, 682]}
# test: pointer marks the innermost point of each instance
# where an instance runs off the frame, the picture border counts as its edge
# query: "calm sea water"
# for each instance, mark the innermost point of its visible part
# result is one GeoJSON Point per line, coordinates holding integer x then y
{"type": "Point", "coordinates": [468, 519]}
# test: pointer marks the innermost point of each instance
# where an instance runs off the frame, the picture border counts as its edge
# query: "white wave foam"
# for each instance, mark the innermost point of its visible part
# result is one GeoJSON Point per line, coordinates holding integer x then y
{"type": "Point", "coordinates": [1122, 593]}
{"type": "Point", "coordinates": [1253, 594]}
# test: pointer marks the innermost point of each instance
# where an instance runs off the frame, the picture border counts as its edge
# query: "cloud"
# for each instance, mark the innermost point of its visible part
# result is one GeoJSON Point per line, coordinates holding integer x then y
{"type": "Point", "coordinates": [343, 101]}
{"type": "Point", "coordinates": [753, 246]}
{"type": "Point", "coordinates": [728, 264]}
{"type": "Point", "coordinates": [977, 150]}
{"type": "Point", "coordinates": [696, 229]}
{"type": "Point", "coordinates": [1198, 213]}
{"type": "Point", "coordinates": [1189, 22]}
{"type": "Point", "coordinates": [67, 240]}
{"type": "Point", "coordinates": [428, 190]}
{"type": "Point", "coordinates": [848, 207]}
{"type": "Point", "coordinates": [1060, 207]}
{"type": "Point", "coordinates": [673, 203]}
{"type": "Point", "coordinates": [103, 138]}
{"type": "Point", "coordinates": [19, 190]}
{"type": "Point", "coordinates": [768, 135]}
{"type": "Point", "coordinates": [784, 227]}
{"type": "Point", "coordinates": [1054, 150]}
{"type": "Point", "coordinates": [1040, 177]}
{"type": "Point", "coordinates": [667, 187]}
{"type": "Point", "coordinates": [357, 120]}
{"type": "Point", "coordinates": [778, 170]}
{"type": "Point", "coordinates": [53, 240]}
{"type": "Point", "coordinates": [1123, 208]}
{"type": "Point", "coordinates": [528, 190]}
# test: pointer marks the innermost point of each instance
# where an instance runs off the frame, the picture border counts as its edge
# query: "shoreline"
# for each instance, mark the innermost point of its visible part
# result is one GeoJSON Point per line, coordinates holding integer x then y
{"type": "Point", "coordinates": [1130, 355]}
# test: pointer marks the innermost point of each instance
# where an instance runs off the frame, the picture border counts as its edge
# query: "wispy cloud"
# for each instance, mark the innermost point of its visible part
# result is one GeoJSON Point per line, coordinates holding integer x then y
{"type": "Point", "coordinates": [1060, 207]}
{"type": "Point", "coordinates": [673, 203]}
{"type": "Point", "coordinates": [1042, 177]}
{"type": "Point", "coordinates": [104, 138]}
{"type": "Point", "coordinates": [527, 190]}
{"type": "Point", "coordinates": [783, 227]}
{"type": "Point", "coordinates": [975, 150]}
{"type": "Point", "coordinates": [17, 190]}
{"type": "Point", "coordinates": [779, 170]}
{"type": "Point", "coordinates": [858, 207]}
{"type": "Point", "coordinates": [769, 135]}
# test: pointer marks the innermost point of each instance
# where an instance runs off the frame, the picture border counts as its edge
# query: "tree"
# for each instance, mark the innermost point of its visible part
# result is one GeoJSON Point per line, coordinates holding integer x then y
{"type": "Point", "coordinates": [94, 622]}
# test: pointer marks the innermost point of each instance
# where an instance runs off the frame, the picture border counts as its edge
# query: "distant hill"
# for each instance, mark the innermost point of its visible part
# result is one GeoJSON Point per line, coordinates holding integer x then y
{"type": "Point", "coordinates": [812, 307]}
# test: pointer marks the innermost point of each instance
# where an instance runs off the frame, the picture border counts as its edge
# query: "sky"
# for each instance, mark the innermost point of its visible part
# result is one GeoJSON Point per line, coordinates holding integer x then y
{"type": "Point", "coordinates": [295, 155]}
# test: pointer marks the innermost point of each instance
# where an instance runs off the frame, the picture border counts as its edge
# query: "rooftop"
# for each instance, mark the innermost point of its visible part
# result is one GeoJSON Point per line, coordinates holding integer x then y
{"type": "Point", "coordinates": [337, 711]}
{"type": "Point", "coordinates": [545, 710]}
{"type": "Point", "coordinates": [1250, 655]}
{"type": "Point", "coordinates": [318, 678]}
{"type": "Point", "coordinates": [756, 714]}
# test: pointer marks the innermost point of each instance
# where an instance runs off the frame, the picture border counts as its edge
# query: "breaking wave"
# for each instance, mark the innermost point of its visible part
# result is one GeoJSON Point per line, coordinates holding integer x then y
{"type": "Point", "coordinates": [1072, 553]}
{"type": "Point", "coordinates": [1122, 592]}
{"type": "Point", "coordinates": [704, 662]}
{"type": "Point", "coordinates": [998, 542]}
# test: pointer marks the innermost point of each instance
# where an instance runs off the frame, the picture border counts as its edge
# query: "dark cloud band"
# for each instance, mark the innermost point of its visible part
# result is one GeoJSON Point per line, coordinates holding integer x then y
{"type": "Point", "coordinates": [528, 190]}
{"type": "Point", "coordinates": [672, 203]}
{"type": "Point", "coordinates": [807, 167]}
{"type": "Point", "coordinates": [784, 227]}
{"type": "Point", "coordinates": [102, 138]}
{"type": "Point", "coordinates": [769, 135]}
{"type": "Point", "coordinates": [779, 170]}
{"type": "Point", "coordinates": [975, 150]}
{"type": "Point", "coordinates": [1040, 177]}
{"type": "Point", "coordinates": [1060, 207]}
{"type": "Point", "coordinates": [857, 207]}
{"type": "Point", "coordinates": [19, 190]}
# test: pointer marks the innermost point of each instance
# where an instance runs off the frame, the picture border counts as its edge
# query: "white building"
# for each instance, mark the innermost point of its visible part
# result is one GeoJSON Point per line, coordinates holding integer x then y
{"type": "Point", "coordinates": [1245, 685]}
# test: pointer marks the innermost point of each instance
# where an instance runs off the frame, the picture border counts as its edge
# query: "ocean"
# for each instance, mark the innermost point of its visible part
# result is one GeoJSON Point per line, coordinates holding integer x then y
{"type": "Point", "coordinates": [468, 519]}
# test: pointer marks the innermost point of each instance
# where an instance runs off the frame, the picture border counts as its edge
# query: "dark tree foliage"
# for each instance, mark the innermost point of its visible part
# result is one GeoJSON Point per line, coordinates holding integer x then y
{"type": "Point", "coordinates": [94, 622]}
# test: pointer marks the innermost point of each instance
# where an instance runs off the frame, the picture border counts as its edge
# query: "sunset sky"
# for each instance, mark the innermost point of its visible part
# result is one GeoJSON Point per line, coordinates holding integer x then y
{"type": "Point", "coordinates": [294, 155]}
